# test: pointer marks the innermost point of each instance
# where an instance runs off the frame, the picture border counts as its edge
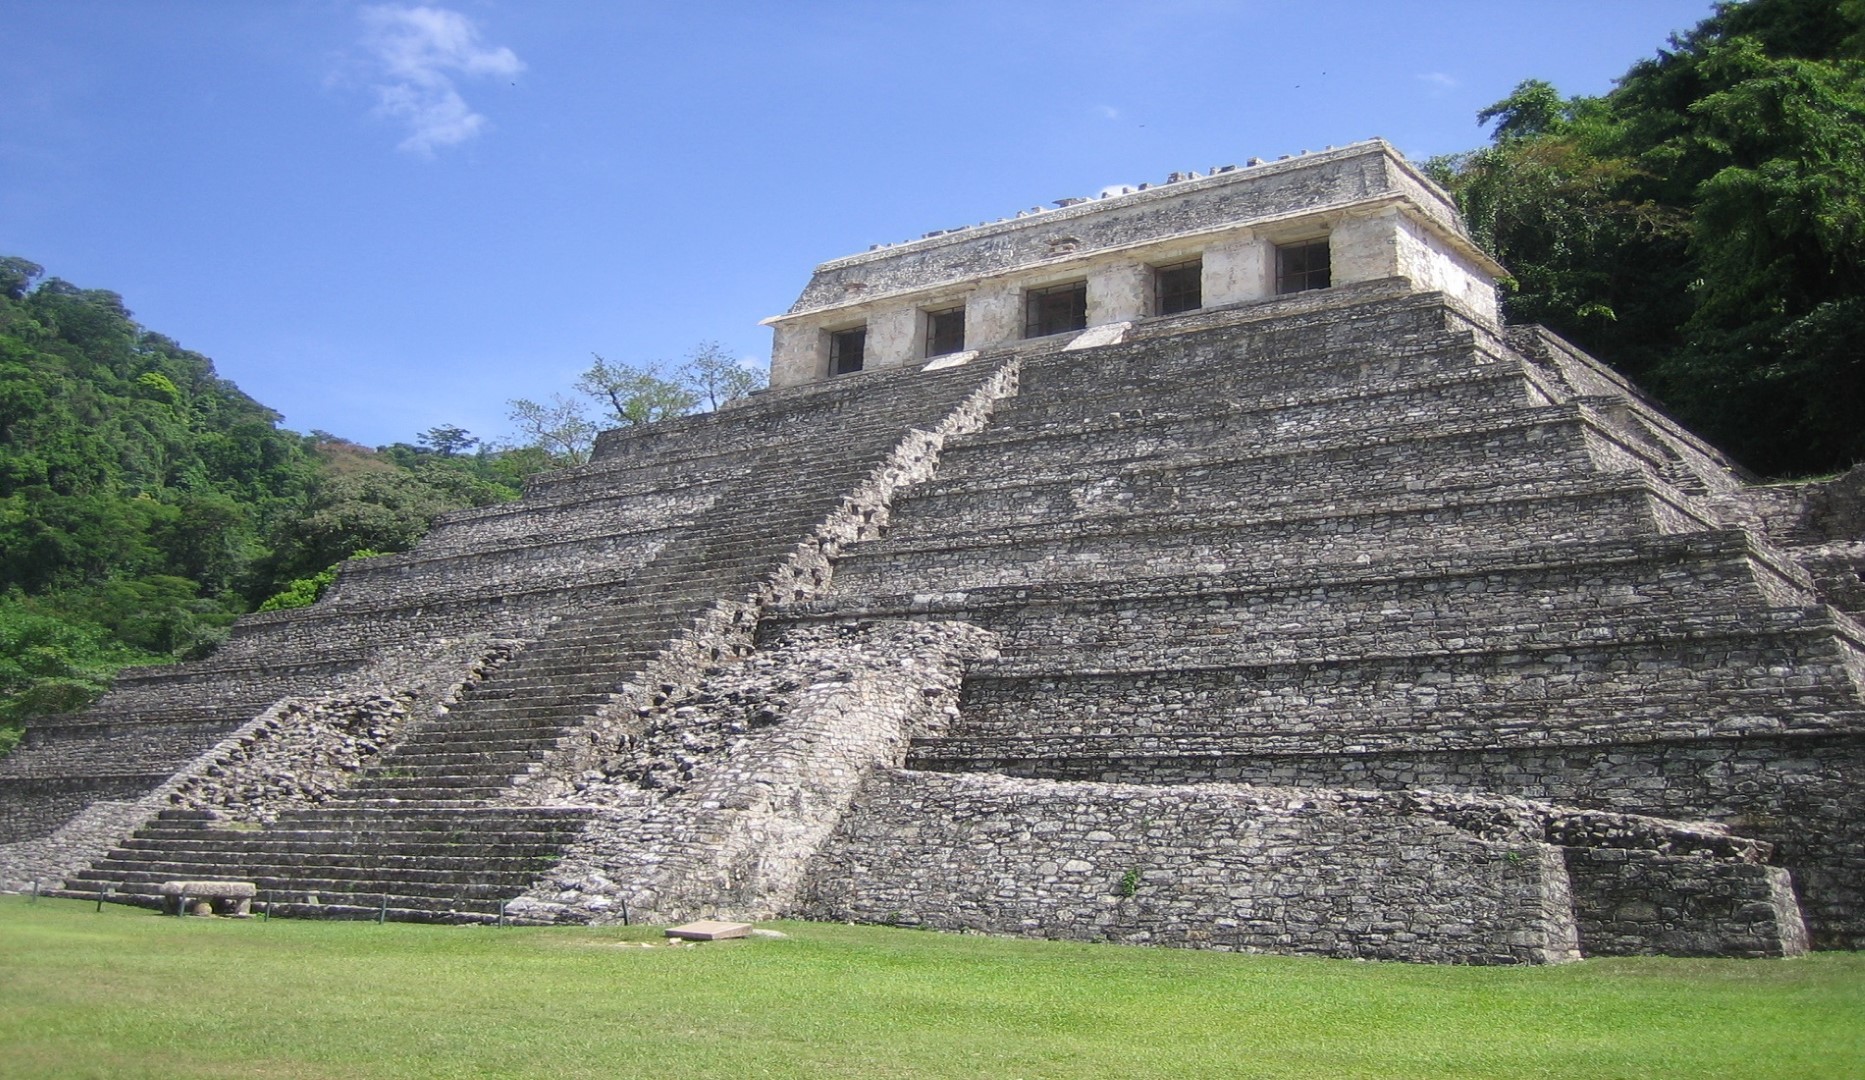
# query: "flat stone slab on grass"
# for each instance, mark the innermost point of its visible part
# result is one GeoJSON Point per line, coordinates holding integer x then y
{"type": "Point", "coordinates": [208, 897]}
{"type": "Point", "coordinates": [709, 930]}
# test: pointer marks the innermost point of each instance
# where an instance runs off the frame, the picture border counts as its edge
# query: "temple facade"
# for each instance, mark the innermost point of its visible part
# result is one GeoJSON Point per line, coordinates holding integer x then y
{"type": "Point", "coordinates": [1239, 236]}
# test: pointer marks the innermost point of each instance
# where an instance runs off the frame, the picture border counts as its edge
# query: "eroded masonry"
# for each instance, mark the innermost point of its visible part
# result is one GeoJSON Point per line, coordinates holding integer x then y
{"type": "Point", "coordinates": [1202, 564]}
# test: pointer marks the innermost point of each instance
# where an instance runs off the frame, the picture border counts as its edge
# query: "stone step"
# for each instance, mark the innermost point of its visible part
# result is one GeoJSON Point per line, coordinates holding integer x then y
{"type": "Point", "coordinates": [1405, 444]}
{"type": "Point", "coordinates": [1548, 588]}
{"type": "Point", "coordinates": [1343, 721]}
{"type": "Point", "coordinates": [518, 754]}
{"type": "Point", "coordinates": [568, 686]}
{"type": "Point", "coordinates": [1206, 418]}
{"type": "Point", "coordinates": [1117, 547]}
{"type": "Point", "coordinates": [391, 801]}
{"type": "Point", "coordinates": [1174, 757]}
{"type": "Point", "coordinates": [327, 848]}
{"type": "Point", "coordinates": [1054, 392]}
{"type": "Point", "coordinates": [1379, 340]}
{"type": "Point", "coordinates": [400, 889]}
{"type": "Point", "coordinates": [501, 716]}
{"type": "Point", "coordinates": [390, 795]}
{"type": "Point", "coordinates": [491, 724]}
{"type": "Point", "coordinates": [325, 872]}
{"type": "Point", "coordinates": [1540, 445]}
{"type": "Point", "coordinates": [303, 840]}
{"type": "Point", "coordinates": [341, 906]}
{"type": "Point", "coordinates": [1792, 652]}
{"type": "Point", "coordinates": [400, 834]}
{"type": "Point", "coordinates": [430, 777]}
{"type": "Point", "coordinates": [501, 722]}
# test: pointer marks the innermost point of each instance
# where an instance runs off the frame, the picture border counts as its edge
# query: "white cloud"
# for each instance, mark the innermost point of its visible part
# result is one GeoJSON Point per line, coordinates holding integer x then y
{"type": "Point", "coordinates": [415, 55]}
{"type": "Point", "coordinates": [1108, 112]}
{"type": "Point", "coordinates": [1439, 82]}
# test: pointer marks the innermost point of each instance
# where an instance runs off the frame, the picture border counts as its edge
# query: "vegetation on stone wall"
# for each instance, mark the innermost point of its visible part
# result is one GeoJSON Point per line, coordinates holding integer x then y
{"type": "Point", "coordinates": [1702, 226]}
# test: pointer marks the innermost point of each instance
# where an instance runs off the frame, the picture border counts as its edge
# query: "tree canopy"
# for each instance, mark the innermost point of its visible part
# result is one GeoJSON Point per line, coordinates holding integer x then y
{"type": "Point", "coordinates": [1702, 226]}
{"type": "Point", "coordinates": [625, 395]}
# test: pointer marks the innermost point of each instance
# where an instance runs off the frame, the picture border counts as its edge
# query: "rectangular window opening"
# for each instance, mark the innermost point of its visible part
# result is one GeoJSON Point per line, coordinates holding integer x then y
{"type": "Point", "coordinates": [1055, 310]}
{"type": "Point", "coordinates": [945, 331]}
{"type": "Point", "coordinates": [1179, 287]}
{"type": "Point", "coordinates": [1303, 266]}
{"type": "Point", "coordinates": [847, 349]}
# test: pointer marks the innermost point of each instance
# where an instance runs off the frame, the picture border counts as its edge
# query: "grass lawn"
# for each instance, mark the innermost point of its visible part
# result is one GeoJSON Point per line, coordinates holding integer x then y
{"type": "Point", "coordinates": [127, 993]}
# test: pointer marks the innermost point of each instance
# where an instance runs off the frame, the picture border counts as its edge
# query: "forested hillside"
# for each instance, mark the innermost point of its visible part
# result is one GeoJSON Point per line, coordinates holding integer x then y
{"type": "Point", "coordinates": [145, 502]}
{"type": "Point", "coordinates": [1702, 227]}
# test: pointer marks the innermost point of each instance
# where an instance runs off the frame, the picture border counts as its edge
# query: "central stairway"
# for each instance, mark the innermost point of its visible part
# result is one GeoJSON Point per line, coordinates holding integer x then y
{"type": "Point", "coordinates": [434, 828]}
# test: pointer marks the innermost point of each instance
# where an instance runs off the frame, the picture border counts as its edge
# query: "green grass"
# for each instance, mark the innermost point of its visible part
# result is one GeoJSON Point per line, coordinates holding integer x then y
{"type": "Point", "coordinates": [127, 993]}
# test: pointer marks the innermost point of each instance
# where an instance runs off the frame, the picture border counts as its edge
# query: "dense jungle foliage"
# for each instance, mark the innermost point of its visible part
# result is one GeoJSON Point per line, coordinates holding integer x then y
{"type": "Point", "coordinates": [145, 502]}
{"type": "Point", "coordinates": [1701, 227]}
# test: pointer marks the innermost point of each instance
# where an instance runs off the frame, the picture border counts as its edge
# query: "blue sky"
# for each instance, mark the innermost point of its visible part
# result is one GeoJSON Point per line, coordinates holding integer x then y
{"type": "Point", "coordinates": [381, 217]}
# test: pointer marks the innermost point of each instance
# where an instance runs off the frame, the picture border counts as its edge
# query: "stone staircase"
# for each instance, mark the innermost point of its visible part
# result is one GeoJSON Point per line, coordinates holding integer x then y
{"type": "Point", "coordinates": [632, 554]}
{"type": "Point", "coordinates": [453, 866]}
{"type": "Point", "coordinates": [1385, 549]}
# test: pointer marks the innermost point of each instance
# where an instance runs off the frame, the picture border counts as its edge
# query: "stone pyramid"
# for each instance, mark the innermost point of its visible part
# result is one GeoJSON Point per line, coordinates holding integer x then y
{"type": "Point", "coordinates": [1323, 614]}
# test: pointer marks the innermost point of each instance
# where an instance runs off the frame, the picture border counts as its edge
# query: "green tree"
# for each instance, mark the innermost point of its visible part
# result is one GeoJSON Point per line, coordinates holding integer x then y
{"type": "Point", "coordinates": [715, 377]}
{"type": "Point", "coordinates": [1702, 227]}
{"type": "Point", "coordinates": [559, 426]}
{"type": "Point", "coordinates": [635, 395]}
{"type": "Point", "coordinates": [382, 509]}
{"type": "Point", "coordinates": [448, 440]}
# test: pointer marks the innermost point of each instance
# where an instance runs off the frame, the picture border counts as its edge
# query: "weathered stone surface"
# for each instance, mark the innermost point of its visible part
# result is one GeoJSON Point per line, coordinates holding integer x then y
{"type": "Point", "coordinates": [709, 930]}
{"type": "Point", "coordinates": [1344, 622]}
{"type": "Point", "coordinates": [718, 803]}
{"type": "Point", "coordinates": [231, 898]}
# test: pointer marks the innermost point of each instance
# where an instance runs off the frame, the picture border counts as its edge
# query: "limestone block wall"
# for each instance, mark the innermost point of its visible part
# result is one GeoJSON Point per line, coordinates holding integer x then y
{"type": "Point", "coordinates": [1238, 270]}
{"type": "Point", "coordinates": [1327, 873]}
{"type": "Point", "coordinates": [1649, 903]}
{"type": "Point", "coordinates": [1422, 256]}
{"type": "Point", "coordinates": [1800, 793]}
{"type": "Point", "coordinates": [1413, 875]}
{"type": "Point", "coordinates": [36, 806]}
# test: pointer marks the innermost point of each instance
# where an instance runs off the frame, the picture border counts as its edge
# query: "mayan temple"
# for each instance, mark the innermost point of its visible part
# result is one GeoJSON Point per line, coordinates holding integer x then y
{"type": "Point", "coordinates": [1203, 564]}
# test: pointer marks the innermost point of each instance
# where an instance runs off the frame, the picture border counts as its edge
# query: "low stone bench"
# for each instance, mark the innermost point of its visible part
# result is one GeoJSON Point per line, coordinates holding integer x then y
{"type": "Point", "coordinates": [233, 898]}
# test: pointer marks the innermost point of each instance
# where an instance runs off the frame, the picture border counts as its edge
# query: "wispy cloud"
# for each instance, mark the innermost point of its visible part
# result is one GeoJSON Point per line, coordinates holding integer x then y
{"type": "Point", "coordinates": [415, 55]}
{"type": "Point", "coordinates": [1439, 82]}
{"type": "Point", "coordinates": [1108, 112]}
